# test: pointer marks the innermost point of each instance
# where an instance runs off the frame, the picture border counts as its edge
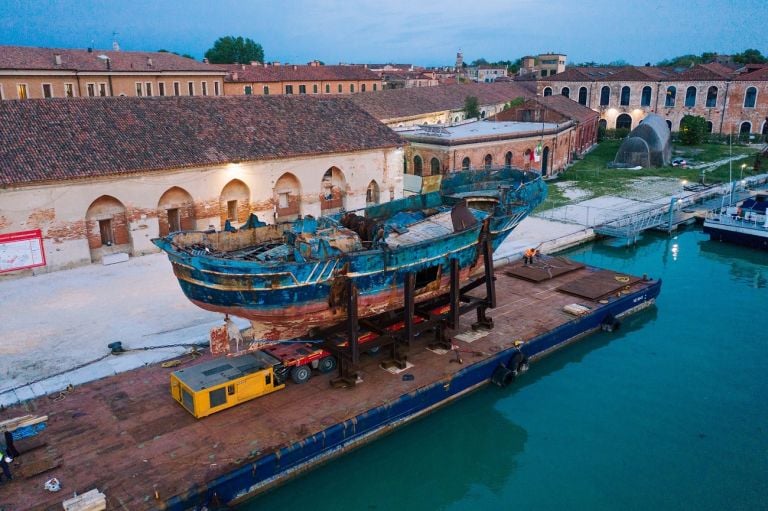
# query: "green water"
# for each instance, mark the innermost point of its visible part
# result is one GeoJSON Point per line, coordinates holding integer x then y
{"type": "Point", "coordinates": [670, 412]}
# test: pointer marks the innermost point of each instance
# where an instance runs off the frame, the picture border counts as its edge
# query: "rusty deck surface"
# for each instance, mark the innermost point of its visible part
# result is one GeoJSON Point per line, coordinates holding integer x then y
{"type": "Point", "coordinates": [125, 436]}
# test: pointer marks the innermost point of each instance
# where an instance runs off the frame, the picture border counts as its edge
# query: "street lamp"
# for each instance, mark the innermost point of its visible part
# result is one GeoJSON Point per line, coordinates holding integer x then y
{"type": "Point", "coordinates": [743, 166]}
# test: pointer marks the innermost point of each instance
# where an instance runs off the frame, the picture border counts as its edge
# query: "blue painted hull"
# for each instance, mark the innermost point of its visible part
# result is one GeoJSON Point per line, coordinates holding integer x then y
{"type": "Point", "coordinates": [275, 468]}
{"type": "Point", "coordinates": [286, 299]}
{"type": "Point", "coordinates": [754, 238]}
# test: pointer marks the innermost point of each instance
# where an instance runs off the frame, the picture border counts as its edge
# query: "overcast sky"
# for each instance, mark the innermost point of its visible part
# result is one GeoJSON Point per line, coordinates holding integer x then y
{"type": "Point", "coordinates": [422, 32]}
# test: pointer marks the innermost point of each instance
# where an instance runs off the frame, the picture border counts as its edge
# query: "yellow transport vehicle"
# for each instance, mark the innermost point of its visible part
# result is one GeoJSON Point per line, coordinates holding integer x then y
{"type": "Point", "coordinates": [219, 384]}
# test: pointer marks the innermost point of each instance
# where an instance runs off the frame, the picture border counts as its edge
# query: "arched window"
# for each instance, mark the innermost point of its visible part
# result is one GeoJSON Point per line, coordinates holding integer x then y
{"type": "Point", "coordinates": [712, 97]}
{"type": "Point", "coordinates": [351, 87]}
{"type": "Point", "coordinates": [333, 191]}
{"type": "Point", "coordinates": [327, 88]}
{"type": "Point", "coordinates": [362, 87]}
{"type": "Point", "coordinates": [434, 165]}
{"type": "Point", "coordinates": [645, 98]}
{"type": "Point", "coordinates": [624, 121]}
{"type": "Point", "coordinates": [671, 94]}
{"type": "Point", "coordinates": [669, 124]}
{"type": "Point", "coordinates": [565, 91]}
{"type": "Point", "coordinates": [508, 159]}
{"type": "Point", "coordinates": [690, 96]}
{"type": "Point", "coordinates": [583, 96]}
{"type": "Point", "coordinates": [287, 197]}
{"type": "Point", "coordinates": [709, 126]}
{"type": "Point", "coordinates": [417, 165]}
{"type": "Point", "coordinates": [465, 163]}
{"type": "Point", "coordinates": [488, 161]}
{"type": "Point", "coordinates": [625, 96]}
{"type": "Point", "coordinates": [482, 114]}
{"type": "Point", "coordinates": [372, 193]}
{"type": "Point", "coordinates": [745, 128]}
{"type": "Point", "coordinates": [547, 91]}
{"type": "Point", "coordinates": [750, 98]}
{"type": "Point", "coordinates": [605, 95]}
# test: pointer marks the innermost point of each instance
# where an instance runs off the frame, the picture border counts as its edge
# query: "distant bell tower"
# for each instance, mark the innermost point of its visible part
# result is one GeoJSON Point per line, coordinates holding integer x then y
{"type": "Point", "coordinates": [459, 61]}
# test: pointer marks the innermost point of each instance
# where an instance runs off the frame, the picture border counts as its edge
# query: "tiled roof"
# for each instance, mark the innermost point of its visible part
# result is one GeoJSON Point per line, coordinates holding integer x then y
{"type": "Point", "coordinates": [296, 73]}
{"type": "Point", "coordinates": [704, 72]}
{"type": "Point", "coordinates": [632, 74]}
{"type": "Point", "coordinates": [392, 104]}
{"type": "Point", "coordinates": [44, 59]}
{"type": "Point", "coordinates": [60, 139]}
{"type": "Point", "coordinates": [759, 75]}
{"type": "Point", "coordinates": [568, 107]}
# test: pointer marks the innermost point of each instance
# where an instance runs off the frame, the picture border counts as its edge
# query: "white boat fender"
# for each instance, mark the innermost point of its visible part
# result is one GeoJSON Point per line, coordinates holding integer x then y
{"type": "Point", "coordinates": [52, 485]}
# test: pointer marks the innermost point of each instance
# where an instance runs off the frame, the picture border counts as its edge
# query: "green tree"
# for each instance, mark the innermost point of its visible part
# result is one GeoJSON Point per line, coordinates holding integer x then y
{"type": "Point", "coordinates": [479, 62]}
{"type": "Point", "coordinates": [471, 107]}
{"type": "Point", "coordinates": [234, 50]}
{"type": "Point", "coordinates": [750, 56]}
{"type": "Point", "coordinates": [692, 129]}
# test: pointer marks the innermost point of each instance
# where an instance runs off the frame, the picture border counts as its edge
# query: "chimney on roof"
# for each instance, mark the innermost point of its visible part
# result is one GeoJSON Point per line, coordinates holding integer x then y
{"type": "Point", "coordinates": [205, 60]}
{"type": "Point", "coordinates": [234, 76]}
{"type": "Point", "coordinates": [295, 66]}
{"type": "Point", "coordinates": [149, 61]}
{"type": "Point", "coordinates": [57, 59]}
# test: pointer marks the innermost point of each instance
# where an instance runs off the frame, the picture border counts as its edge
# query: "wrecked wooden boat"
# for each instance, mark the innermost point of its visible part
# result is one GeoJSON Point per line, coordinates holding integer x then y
{"type": "Point", "coordinates": [289, 279]}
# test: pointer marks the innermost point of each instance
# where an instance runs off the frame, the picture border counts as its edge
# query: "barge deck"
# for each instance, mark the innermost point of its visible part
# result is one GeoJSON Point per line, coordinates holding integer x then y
{"type": "Point", "coordinates": [125, 436]}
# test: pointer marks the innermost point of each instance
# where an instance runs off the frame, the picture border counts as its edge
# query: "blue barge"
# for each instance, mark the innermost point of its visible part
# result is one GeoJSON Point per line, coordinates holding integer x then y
{"type": "Point", "coordinates": [145, 452]}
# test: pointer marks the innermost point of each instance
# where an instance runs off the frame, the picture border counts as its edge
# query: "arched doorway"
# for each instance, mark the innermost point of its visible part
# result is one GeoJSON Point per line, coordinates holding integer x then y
{"type": "Point", "coordinates": [669, 124]}
{"type": "Point", "coordinates": [764, 131]}
{"type": "Point", "coordinates": [547, 91]}
{"type": "Point", "coordinates": [709, 126]}
{"type": "Point", "coordinates": [508, 159]}
{"type": "Point", "coordinates": [333, 191]}
{"type": "Point", "coordinates": [744, 130]}
{"type": "Point", "coordinates": [624, 121]}
{"type": "Point", "coordinates": [106, 225]}
{"type": "Point", "coordinates": [417, 165]}
{"type": "Point", "coordinates": [545, 161]}
{"type": "Point", "coordinates": [465, 163]}
{"type": "Point", "coordinates": [602, 124]}
{"type": "Point", "coordinates": [527, 158]}
{"type": "Point", "coordinates": [434, 165]}
{"type": "Point", "coordinates": [175, 211]}
{"type": "Point", "coordinates": [566, 91]}
{"type": "Point", "coordinates": [235, 202]}
{"type": "Point", "coordinates": [488, 161]}
{"type": "Point", "coordinates": [287, 197]}
{"type": "Point", "coordinates": [372, 193]}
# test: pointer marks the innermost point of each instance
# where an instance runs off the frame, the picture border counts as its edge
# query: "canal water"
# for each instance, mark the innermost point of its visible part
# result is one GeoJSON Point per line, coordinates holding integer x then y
{"type": "Point", "coordinates": [670, 412]}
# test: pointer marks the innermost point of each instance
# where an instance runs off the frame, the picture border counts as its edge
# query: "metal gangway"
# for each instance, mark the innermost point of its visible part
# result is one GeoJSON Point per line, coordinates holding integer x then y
{"type": "Point", "coordinates": [631, 225]}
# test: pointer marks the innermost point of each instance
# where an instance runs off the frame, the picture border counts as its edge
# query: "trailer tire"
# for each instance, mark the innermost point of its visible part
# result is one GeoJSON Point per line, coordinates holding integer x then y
{"type": "Point", "coordinates": [610, 323]}
{"type": "Point", "coordinates": [301, 374]}
{"type": "Point", "coordinates": [502, 376]}
{"type": "Point", "coordinates": [326, 364]}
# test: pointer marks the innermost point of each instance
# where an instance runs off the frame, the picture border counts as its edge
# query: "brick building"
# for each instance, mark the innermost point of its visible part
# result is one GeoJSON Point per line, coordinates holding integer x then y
{"type": "Point", "coordinates": [442, 104]}
{"type": "Point", "coordinates": [543, 134]}
{"type": "Point", "coordinates": [731, 100]}
{"type": "Point", "coordinates": [314, 78]}
{"type": "Point", "coordinates": [488, 144]}
{"type": "Point", "coordinates": [27, 72]}
{"type": "Point", "coordinates": [103, 177]}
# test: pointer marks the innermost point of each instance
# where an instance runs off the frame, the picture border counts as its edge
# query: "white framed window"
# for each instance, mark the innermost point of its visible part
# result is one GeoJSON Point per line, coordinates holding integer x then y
{"type": "Point", "coordinates": [139, 89]}
{"type": "Point", "coordinates": [103, 90]}
{"type": "Point", "coordinates": [69, 90]}
{"type": "Point", "coordinates": [216, 89]}
{"type": "Point", "coordinates": [149, 88]}
{"type": "Point", "coordinates": [191, 88]}
{"type": "Point", "coordinates": [161, 88]}
{"type": "Point", "coordinates": [176, 89]}
{"type": "Point", "coordinates": [21, 91]}
{"type": "Point", "coordinates": [47, 90]}
{"type": "Point", "coordinates": [90, 89]}
{"type": "Point", "coordinates": [204, 88]}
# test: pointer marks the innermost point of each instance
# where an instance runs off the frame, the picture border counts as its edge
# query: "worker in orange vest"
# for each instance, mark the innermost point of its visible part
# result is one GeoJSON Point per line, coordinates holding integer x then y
{"type": "Point", "coordinates": [528, 256]}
